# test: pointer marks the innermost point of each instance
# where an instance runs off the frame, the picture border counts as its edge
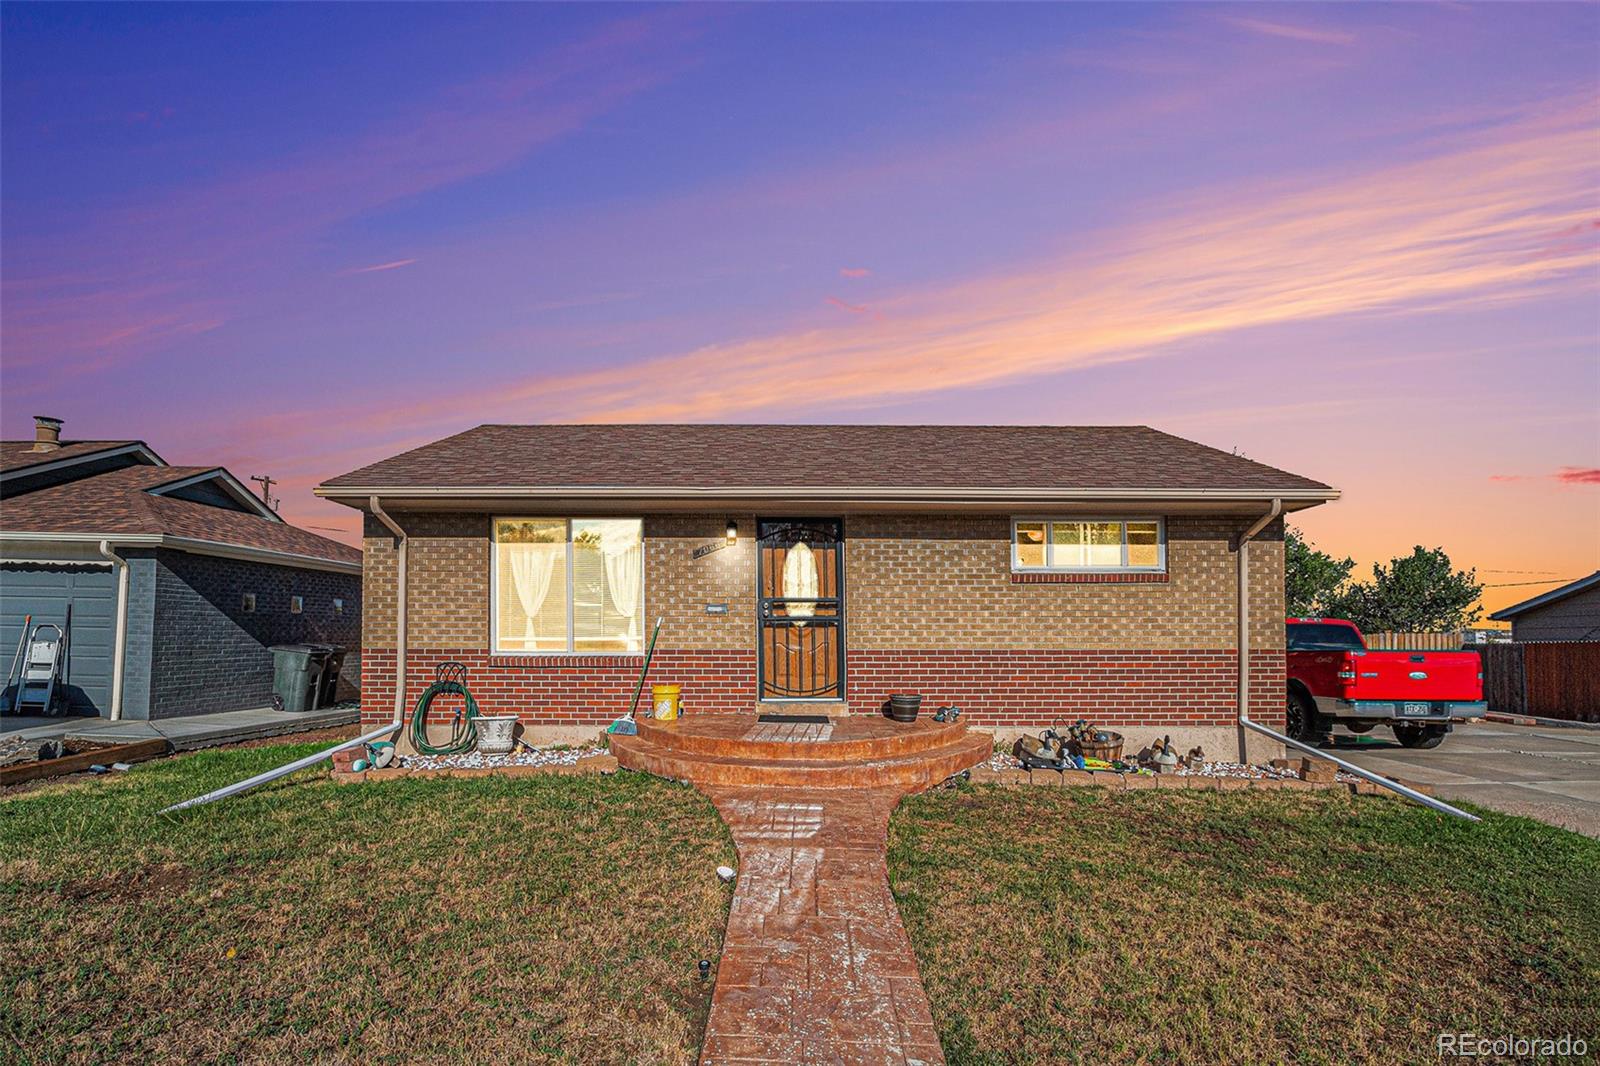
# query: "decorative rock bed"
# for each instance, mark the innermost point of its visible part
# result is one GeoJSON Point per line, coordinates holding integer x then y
{"type": "Point", "coordinates": [1003, 769]}
{"type": "Point", "coordinates": [475, 764]}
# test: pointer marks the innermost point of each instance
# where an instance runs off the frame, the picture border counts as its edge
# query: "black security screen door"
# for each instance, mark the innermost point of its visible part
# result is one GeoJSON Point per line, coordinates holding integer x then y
{"type": "Point", "coordinates": [801, 609]}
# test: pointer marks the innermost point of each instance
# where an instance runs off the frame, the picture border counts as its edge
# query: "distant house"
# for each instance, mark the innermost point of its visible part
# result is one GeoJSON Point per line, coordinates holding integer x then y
{"type": "Point", "coordinates": [1571, 612]}
{"type": "Point", "coordinates": [180, 574]}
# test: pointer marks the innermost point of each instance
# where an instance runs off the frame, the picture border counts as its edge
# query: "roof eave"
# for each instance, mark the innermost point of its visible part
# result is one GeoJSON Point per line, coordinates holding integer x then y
{"type": "Point", "coordinates": [138, 447]}
{"type": "Point", "coordinates": [955, 497]}
{"type": "Point", "coordinates": [193, 545]}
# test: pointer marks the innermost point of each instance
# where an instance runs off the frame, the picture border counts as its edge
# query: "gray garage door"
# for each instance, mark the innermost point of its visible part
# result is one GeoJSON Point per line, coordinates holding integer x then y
{"type": "Point", "coordinates": [44, 590]}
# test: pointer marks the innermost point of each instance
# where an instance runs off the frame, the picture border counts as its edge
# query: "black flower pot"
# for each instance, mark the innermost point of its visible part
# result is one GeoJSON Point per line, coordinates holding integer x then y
{"type": "Point", "coordinates": [903, 707]}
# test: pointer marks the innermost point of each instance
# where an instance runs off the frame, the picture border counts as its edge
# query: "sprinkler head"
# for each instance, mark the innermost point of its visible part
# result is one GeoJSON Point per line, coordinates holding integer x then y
{"type": "Point", "coordinates": [705, 969]}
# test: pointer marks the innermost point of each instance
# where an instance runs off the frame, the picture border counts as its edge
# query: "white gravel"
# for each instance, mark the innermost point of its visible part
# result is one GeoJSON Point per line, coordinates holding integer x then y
{"type": "Point", "coordinates": [476, 761]}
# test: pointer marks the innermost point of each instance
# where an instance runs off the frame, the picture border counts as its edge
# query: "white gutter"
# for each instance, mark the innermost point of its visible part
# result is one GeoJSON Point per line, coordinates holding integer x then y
{"type": "Point", "coordinates": [193, 545]}
{"type": "Point", "coordinates": [119, 652]}
{"type": "Point", "coordinates": [1244, 688]}
{"type": "Point", "coordinates": [400, 633]}
{"type": "Point", "coordinates": [806, 492]}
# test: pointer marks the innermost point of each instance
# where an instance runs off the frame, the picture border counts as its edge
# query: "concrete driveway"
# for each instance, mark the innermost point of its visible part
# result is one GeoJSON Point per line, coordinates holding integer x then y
{"type": "Point", "coordinates": [1552, 774]}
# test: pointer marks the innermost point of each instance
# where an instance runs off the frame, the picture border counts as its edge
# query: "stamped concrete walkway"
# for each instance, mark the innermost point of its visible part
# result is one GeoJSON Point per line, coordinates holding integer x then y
{"type": "Point", "coordinates": [816, 966]}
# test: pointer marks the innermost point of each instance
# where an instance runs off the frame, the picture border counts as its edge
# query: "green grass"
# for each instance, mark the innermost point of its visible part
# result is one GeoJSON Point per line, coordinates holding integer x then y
{"type": "Point", "coordinates": [1072, 925]}
{"type": "Point", "coordinates": [551, 918]}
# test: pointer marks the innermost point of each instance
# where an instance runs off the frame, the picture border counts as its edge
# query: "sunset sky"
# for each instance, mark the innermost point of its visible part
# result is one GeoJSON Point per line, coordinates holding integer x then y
{"type": "Point", "coordinates": [1358, 242]}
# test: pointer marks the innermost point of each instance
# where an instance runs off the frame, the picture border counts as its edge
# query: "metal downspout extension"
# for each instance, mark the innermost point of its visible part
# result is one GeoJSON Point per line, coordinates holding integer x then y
{"type": "Point", "coordinates": [399, 696]}
{"type": "Point", "coordinates": [119, 653]}
{"type": "Point", "coordinates": [1244, 689]}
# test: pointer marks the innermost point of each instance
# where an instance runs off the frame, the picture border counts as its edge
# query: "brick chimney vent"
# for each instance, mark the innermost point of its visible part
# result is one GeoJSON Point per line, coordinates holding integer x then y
{"type": "Point", "coordinates": [46, 433]}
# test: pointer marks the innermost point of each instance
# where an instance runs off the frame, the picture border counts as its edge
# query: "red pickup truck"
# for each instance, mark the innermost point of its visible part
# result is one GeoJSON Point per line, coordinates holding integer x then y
{"type": "Point", "coordinates": [1334, 678]}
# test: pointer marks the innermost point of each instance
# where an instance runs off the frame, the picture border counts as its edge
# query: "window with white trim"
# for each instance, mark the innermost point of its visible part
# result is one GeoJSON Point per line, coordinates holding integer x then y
{"type": "Point", "coordinates": [1089, 545]}
{"type": "Point", "coordinates": [568, 585]}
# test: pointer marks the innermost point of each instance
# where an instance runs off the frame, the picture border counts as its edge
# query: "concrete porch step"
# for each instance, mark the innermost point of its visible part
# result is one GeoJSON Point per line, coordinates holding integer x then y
{"type": "Point", "coordinates": [857, 739]}
{"type": "Point", "coordinates": [911, 772]}
{"type": "Point", "coordinates": [831, 708]}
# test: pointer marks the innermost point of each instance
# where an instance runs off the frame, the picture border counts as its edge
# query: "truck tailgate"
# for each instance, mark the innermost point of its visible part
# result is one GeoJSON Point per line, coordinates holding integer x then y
{"type": "Point", "coordinates": [1418, 675]}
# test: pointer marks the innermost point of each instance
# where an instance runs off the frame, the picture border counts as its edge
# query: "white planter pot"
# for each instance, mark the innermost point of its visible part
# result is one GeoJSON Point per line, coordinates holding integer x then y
{"type": "Point", "coordinates": [495, 734]}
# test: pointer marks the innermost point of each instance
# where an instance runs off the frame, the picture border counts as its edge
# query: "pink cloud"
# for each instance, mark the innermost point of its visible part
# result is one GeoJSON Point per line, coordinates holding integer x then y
{"type": "Point", "coordinates": [1567, 475]}
{"type": "Point", "coordinates": [395, 265]}
{"type": "Point", "coordinates": [854, 272]}
{"type": "Point", "coordinates": [1293, 31]}
{"type": "Point", "coordinates": [1452, 228]}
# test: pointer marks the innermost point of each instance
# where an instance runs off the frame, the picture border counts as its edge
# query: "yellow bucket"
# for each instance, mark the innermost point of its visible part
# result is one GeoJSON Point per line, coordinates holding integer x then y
{"type": "Point", "coordinates": [667, 701]}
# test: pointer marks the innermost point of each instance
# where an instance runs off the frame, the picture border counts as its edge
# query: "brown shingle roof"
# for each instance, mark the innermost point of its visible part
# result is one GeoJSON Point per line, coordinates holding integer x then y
{"type": "Point", "coordinates": [16, 454]}
{"type": "Point", "coordinates": [836, 456]}
{"type": "Point", "coordinates": [119, 503]}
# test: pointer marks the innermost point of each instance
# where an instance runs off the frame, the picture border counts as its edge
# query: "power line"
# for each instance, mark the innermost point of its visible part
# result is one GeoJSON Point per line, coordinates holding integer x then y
{"type": "Point", "coordinates": [1520, 584]}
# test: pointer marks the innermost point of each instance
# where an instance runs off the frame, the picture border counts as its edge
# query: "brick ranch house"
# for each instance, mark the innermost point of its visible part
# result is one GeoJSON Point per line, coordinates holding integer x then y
{"type": "Point", "coordinates": [1030, 574]}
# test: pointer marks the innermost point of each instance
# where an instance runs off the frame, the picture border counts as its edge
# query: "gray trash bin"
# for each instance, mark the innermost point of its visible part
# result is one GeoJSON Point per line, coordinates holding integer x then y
{"type": "Point", "coordinates": [296, 675]}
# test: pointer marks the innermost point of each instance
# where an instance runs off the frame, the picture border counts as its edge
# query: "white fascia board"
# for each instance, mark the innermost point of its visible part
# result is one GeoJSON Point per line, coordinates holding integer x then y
{"type": "Point", "coordinates": [192, 545]}
{"type": "Point", "coordinates": [865, 494]}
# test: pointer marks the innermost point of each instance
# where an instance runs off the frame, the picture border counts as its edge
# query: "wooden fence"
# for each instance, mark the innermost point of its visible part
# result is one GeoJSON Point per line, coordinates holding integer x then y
{"type": "Point", "coordinates": [1548, 679]}
{"type": "Point", "coordinates": [1450, 641]}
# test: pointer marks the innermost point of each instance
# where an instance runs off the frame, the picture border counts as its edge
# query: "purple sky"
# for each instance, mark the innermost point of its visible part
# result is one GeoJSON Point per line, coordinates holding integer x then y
{"type": "Point", "coordinates": [1359, 242]}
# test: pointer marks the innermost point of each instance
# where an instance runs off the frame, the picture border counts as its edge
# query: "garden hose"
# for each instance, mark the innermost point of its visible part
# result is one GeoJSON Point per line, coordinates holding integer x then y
{"type": "Point", "coordinates": [463, 731]}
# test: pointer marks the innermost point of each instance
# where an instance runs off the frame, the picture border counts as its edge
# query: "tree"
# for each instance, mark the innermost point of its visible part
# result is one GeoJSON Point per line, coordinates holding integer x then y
{"type": "Point", "coordinates": [1312, 578]}
{"type": "Point", "coordinates": [1416, 593]}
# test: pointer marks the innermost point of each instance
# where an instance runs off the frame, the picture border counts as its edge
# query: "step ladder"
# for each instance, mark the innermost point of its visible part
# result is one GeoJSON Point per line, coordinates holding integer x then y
{"type": "Point", "coordinates": [41, 689]}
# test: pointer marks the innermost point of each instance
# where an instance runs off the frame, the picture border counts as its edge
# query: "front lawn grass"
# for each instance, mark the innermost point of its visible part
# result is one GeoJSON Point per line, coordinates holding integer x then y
{"type": "Point", "coordinates": [1073, 925]}
{"type": "Point", "coordinates": [549, 918]}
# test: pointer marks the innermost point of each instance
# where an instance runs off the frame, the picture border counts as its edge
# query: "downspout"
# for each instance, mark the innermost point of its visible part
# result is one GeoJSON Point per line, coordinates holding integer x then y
{"type": "Point", "coordinates": [1243, 552]}
{"type": "Point", "coordinates": [119, 651]}
{"type": "Point", "coordinates": [365, 738]}
{"type": "Point", "coordinates": [1244, 688]}
{"type": "Point", "coordinates": [400, 608]}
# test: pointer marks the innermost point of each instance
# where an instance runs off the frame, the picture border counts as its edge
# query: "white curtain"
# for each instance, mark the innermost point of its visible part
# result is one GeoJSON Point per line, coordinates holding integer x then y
{"type": "Point", "coordinates": [624, 557]}
{"type": "Point", "coordinates": [800, 580]}
{"type": "Point", "coordinates": [531, 567]}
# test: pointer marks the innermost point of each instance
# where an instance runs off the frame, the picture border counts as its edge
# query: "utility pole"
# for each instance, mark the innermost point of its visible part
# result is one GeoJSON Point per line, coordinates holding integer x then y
{"type": "Point", "coordinates": [266, 484]}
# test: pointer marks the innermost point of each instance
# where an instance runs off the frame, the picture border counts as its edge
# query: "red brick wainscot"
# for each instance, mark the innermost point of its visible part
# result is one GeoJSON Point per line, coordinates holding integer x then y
{"type": "Point", "coordinates": [1033, 688]}
{"type": "Point", "coordinates": [564, 689]}
{"type": "Point", "coordinates": [994, 688]}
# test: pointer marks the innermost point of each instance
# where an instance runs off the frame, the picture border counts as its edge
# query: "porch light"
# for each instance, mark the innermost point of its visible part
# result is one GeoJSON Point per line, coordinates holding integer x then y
{"type": "Point", "coordinates": [733, 531]}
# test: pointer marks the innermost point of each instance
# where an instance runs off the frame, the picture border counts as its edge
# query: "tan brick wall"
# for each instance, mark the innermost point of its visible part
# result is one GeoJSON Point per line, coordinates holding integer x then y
{"type": "Point", "coordinates": [449, 581]}
{"type": "Point", "coordinates": [377, 591]}
{"type": "Point", "coordinates": [449, 576]}
{"type": "Point", "coordinates": [678, 586]}
{"type": "Point", "coordinates": [920, 582]}
{"type": "Point", "coordinates": [912, 582]}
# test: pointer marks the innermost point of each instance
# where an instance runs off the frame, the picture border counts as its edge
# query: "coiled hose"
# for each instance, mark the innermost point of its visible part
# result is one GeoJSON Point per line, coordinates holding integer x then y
{"type": "Point", "coordinates": [463, 731]}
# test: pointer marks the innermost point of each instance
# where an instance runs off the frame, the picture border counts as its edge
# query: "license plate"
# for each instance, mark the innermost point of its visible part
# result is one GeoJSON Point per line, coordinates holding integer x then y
{"type": "Point", "coordinates": [1416, 709]}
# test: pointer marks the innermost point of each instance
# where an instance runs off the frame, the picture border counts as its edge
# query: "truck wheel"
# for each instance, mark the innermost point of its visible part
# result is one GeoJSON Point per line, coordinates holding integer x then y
{"type": "Point", "coordinates": [1419, 736]}
{"type": "Point", "coordinates": [1358, 726]}
{"type": "Point", "coordinates": [1301, 721]}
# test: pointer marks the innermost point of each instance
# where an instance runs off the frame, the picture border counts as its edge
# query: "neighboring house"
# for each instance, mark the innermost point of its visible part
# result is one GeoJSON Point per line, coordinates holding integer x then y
{"type": "Point", "coordinates": [1030, 574]}
{"type": "Point", "coordinates": [1571, 612]}
{"type": "Point", "coordinates": [196, 575]}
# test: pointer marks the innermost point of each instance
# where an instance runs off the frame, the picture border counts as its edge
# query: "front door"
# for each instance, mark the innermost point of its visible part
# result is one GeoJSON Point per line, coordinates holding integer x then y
{"type": "Point", "coordinates": [800, 608]}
